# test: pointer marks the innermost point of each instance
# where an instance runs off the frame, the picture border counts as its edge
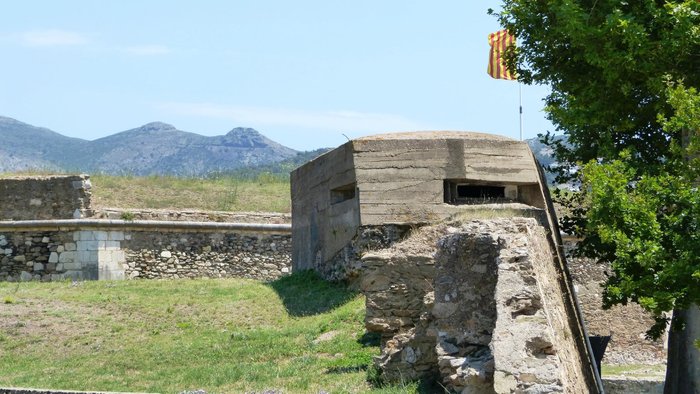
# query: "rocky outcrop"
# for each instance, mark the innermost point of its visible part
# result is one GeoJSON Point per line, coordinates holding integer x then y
{"type": "Point", "coordinates": [477, 303]}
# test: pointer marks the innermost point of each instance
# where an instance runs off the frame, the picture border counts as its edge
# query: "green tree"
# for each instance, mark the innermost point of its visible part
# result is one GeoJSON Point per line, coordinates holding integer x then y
{"type": "Point", "coordinates": [624, 78]}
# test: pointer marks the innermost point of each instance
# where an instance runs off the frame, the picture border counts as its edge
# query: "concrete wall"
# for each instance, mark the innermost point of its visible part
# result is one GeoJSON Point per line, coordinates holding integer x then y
{"type": "Point", "coordinates": [45, 197]}
{"type": "Point", "coordinates": [113, 250]}
{"type": "Point", "coordinates": [401, 177]}
{"type": "Point", "coordinates": [323, 222]}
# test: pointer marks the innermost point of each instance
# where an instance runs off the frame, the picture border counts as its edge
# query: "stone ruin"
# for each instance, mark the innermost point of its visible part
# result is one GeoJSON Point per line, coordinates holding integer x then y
{"type": "Point", "coordinates": [452, 238]}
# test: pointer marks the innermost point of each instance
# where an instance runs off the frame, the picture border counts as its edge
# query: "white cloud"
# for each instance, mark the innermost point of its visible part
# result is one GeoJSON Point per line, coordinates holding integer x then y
{"type": "Point", "coordinates": [52, 37]}
{"type": "Point", "coordinates": [147, 50]}
{"type": "Point", "coordinates": [325, 120]}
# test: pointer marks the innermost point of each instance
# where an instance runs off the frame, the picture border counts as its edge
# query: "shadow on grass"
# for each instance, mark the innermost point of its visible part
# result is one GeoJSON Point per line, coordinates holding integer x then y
{"type": "Point", "coordinates": [370, 339]}
{"type": "Point", "coordinates": [304, 293]}
{"type": "Point", "coordinates": [426, 385]}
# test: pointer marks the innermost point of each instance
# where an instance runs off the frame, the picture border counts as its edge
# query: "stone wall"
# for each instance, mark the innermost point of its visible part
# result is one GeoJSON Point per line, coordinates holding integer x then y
{"type": "Point", "coordinates": [477, 303]}
{"type": "Point", "coordinates": [213, 255]}
{"type": "Point", "coordinates": [122, 249]}
{"type": "Point", "coordinates": [45, 197]}
{"type": "Point", "coordinates": [191, 215]}
{"type": "Point", "coordinates": [346, 265]}
{"type": "Point", "coordinates": [40, 255]}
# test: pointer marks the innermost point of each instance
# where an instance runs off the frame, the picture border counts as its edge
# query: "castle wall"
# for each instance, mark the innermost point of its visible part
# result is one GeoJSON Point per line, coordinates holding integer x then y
{"type": "Point", "coordinates": [114, 250]}
{"type": "Point", "coordinates": [45, 197]}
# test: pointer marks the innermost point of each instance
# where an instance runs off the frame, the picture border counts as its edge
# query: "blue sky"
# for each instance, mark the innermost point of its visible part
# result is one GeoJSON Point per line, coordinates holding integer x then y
{"type": "Point", "coordinates": [304, 73]}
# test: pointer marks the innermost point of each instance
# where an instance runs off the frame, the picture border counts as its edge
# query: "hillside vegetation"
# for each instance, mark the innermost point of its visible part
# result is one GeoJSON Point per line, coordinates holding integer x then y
{"type": "Point", "coordinates": [298, 334]}
{"type": "Point", "coordinates": [264, 192]}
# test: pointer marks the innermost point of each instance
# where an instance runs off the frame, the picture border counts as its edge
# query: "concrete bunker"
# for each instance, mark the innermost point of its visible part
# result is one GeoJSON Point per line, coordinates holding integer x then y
{"type": "Point", "coordinates": [452, 238]}
{"type": "Point", "coordinates": [402, 179]}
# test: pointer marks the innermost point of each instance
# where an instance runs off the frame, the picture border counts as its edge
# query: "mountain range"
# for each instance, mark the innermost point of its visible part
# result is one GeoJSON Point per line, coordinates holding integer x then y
{"type": "Point", "coordinates": [154, 148]}
{"type": "Point", "coordinates": [158, 149]}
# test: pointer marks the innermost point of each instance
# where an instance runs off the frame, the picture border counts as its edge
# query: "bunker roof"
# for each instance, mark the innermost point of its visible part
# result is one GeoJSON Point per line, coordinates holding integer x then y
{"type": "Point", "coordinates": [435, 135]}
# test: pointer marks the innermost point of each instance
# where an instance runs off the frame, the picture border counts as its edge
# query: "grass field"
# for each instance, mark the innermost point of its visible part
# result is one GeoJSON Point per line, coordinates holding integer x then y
{"type": "Point", "coordinates": [296, 335]}
{"type": "Point", "coordinates": [265, 192]}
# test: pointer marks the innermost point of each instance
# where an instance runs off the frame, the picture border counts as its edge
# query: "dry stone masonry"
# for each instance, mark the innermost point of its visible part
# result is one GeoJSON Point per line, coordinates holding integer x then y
{"type": "Point", "coordinates": [472, 302]}
{"type": "Point", "coordinates": [211, 255]}
{"type": "Point", "coordinates": [45, 197]}
{"type": "Point", "coordinates": [149, 253]}
{"type": "Point", "coordinates": [45, 236]}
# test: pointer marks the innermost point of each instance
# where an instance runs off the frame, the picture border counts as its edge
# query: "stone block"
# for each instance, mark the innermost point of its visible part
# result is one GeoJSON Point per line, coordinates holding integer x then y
{"type": "Point", "coordinates": [87, 235]}
{"type": "Point", "coordinates": [25, 276]}
{"type": "Point", "coordinates": [88, 256]}
{"type": "Point", "coordinates": [116, 236]}
{"type": "Point", "coordinates": [38, 267]}
{"type": "Point", "coordinates": [70, 246]}
{"type": "Point", "coordinates": [74, 275]}
{"type": "Point", "coordinates": [112, 245]}
{"type": "Point", "coordinates": [53, 257]}
{"type": "Point", "coordinates": [19, 259]}
{"type": "Point", "coordinates": [108, 274]}
{"type": "Point", "coordinates": [45, 240]}
{"type": "Point", "coordinates": [66, 257]}
{"type": "Point", "coordinates": [119, 256]}
{"type": "Point", "coordinates": [72, 266]}
{"type": "Point", "coordinates": [60, 248]}
{"type": "Point", "coordinates": [88, 245]}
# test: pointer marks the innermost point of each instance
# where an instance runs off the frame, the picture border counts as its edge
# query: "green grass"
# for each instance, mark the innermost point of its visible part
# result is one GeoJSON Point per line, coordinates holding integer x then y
{"type": "Point", "coordinates": [298, 335]}
{"type": "Point", "coordinates": [265, 192]}
{"type": "Point", "coordinates": [635, 370]}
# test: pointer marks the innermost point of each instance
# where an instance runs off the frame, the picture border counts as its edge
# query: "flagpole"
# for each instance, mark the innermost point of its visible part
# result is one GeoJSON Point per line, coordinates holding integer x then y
{"type": "Point", "coordinates": [520, 96]}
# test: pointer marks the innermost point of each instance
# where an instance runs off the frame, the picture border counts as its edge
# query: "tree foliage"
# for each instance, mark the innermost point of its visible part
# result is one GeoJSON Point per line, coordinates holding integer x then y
{"type": "Point", "coordinates": [624, 78]}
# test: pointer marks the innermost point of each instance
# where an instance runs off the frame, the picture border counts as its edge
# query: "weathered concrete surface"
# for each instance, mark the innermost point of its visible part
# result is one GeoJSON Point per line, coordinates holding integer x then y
{"type": "Point", "coordinates": [45, 197]}
{"type": "Point", "coordinates": [323, 224]}
{"type": "Point", "coordinates": [478, 303]}
{"type": "Point", "coordinates": [400, 178]}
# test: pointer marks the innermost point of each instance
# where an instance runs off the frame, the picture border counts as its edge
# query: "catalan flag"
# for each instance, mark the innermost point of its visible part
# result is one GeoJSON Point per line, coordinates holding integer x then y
{"type": "Point", "coordinates": [499, 42]}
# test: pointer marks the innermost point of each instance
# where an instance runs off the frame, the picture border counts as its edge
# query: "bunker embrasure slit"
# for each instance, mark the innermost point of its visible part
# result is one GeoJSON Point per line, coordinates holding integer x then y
{"type": "Point", "coordinates": [343, 193]}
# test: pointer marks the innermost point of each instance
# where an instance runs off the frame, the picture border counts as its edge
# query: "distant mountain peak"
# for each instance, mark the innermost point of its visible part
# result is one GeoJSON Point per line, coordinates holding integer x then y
{"type": "Point", "coordinates": [157, 126]}
{"type": "Point", "coordinates": [6, 120]}
{"type": "Point", "coordinates": [243, 131]}
{"type": "Point", "coordinates": [154, 148]}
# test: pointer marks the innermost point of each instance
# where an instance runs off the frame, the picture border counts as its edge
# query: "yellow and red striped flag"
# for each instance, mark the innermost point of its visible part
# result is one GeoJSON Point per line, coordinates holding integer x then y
{"type": "Point", "coordinates": [499, 42]}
